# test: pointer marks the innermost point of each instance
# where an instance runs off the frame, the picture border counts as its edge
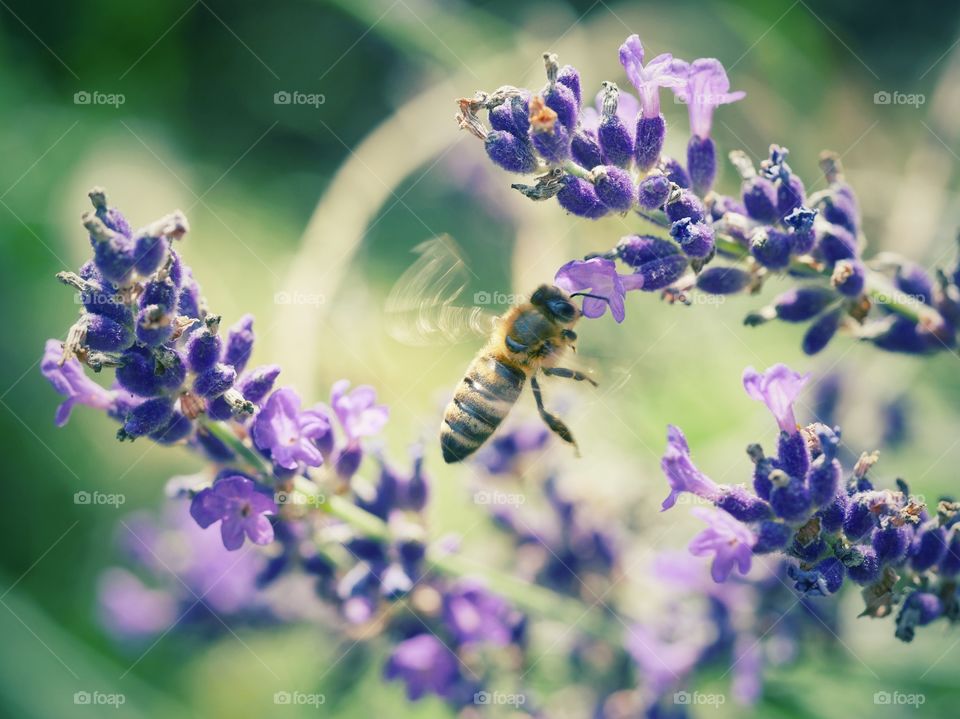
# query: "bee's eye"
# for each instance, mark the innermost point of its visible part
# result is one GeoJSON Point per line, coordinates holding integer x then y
{"type": "Point", "coordinates": [562, 309]}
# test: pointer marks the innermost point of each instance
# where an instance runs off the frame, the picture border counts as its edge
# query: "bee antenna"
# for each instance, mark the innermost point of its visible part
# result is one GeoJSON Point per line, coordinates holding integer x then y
{"type": "Point", "coordinates": [587, 294]}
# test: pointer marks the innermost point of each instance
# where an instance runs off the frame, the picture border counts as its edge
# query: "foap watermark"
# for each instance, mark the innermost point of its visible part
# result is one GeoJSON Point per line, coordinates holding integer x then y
{"type": "Point", "coordinates": [899, 699]}
{"type": "Point", "coordinates": [884, 97]}
{"type": "Point", "coordinates": [308, 699]}
{"type": "Point", "coordinates": [310, 299]}
{"type": "Point", "coordinates": [485, 496]}
{"type": "Point", "coordinates": [95, 97]}
{"type": "Point", "coordinates": [497, 298]}
{"type": "Point", "coordinates": [705, 299]}
{"type": "Point", "coordinates": [699, 699]}
{"type": "Point", "coordinates": [101, 299]}
{"type": "Point", "coordinates": [299, 498]}
{"type": "Point", "coordinates": [499, 698]}
{"type": "Point", "coordinates": [295, 97]}
{"type": "Point", "coordinates": [99, 498]}
{"type": "Point", "coordinates": [100, 699]}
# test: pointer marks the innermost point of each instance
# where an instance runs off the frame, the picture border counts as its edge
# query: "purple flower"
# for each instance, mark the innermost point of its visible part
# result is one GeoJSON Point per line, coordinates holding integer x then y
{"type": "Point", "coordinates": [238, 506]}
{"type": "Point", "coordinates": [706, 88]}
{"type": "Point", "coordinates": [778, 388]}
{"type": "Point", "coordinates": [600, 277]}
{"type": "Point", "coordinates": [129, 609]}
{"type": "Point", "coordinates": [627, 109]}
{"type": "Point", "coordinates": [663, 663]}
{"type": "Point", "coordinates": [661, 71]}
{"type": "Point", "coordinates": [473, 614]}
{"type": "Point", "coordinates": [680, 471]}
{"type": "Point", "coordinates": [730, 541]}
{"type": "Point", "coordinates": [71, 381]}
{"type": "Point", "coordinates": [289, 434]}
{"type": "Point", "coordinates": [425, 665]}
{"type": "Point", "coordinates": [358, 412]}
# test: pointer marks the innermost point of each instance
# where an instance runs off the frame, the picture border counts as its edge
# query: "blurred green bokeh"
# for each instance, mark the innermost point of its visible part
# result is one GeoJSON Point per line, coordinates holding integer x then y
{"type": "Point", "coordinates": [198, 129]}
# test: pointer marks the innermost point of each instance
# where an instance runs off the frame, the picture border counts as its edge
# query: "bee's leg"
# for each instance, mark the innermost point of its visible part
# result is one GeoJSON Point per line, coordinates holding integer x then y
{"type": "Point", "coordinates": [569, 374]}
{"type": "Point", "coordinates": [555, 424]}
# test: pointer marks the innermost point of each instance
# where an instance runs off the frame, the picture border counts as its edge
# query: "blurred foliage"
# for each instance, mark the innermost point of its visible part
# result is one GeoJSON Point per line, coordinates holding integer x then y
{"type": "Point", "coordinates": [199, 130]}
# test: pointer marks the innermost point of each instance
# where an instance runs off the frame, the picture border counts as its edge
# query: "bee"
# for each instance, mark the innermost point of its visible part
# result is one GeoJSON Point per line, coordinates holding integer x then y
{"type": "Point", "coordinates": [525, 342]}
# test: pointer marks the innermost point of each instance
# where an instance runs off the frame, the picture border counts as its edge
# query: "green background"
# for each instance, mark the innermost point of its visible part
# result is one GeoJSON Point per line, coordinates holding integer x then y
{"type": "Point", "coordinates": [198, 129]}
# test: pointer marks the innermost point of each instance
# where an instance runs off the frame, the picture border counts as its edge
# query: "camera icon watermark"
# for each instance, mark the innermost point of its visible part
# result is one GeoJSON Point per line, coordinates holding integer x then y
{"type": "Point", "coordinates": [309, 299]}
{"type": "Point", "coordinates": [698, 699]}
{"type": "Point", "coordinates": [95, 97]}
{"type": "Point", "coordinates": [884, 97]}
{"type": "Point", "coordinates": [498, 298]}
{"type": "Point", "coordinates": [484, 698]}
{"type": "Point", "coordinates": [899, 699]}
{"type": "Point", "coordinates": [295, 698]}
{"type": "Point", "coordinates": [299, 498]}
{"type": "Point", "coordinates": [99, 499]}
{"type": "Point", "coordinates": [115, 700]}
{"type": "Point", "coordinates": [485, 496]}
{"type": "Point", "coordinates": [295, 97]}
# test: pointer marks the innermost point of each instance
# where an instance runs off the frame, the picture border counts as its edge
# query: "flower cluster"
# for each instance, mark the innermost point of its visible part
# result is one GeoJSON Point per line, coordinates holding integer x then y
{"type": "Point", "coordinates": [608, 159]}
{"type": "Point", "coordinates": [833, 525]}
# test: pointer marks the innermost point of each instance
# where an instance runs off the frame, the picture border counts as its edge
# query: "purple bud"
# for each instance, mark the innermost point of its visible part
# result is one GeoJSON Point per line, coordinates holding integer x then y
{"type": "Point", "coordinates": [832, 515]}
{"type": "Point", "coordinates": [570, 77]}
{"type": "Point", "coordinates": [790, 501]}
{"type": "Point", "coordinates": [149, 253]}
{"type": "Point", "coordinates": [554, 144]}
{"type": "Point", "coordinates": [918, 610]}
{"type": "Point", "coordinates": [616, 142]}
{"type": "Point", "coordinates": [154, 325]}
{"type": "Point", "coordinates": [950, 564]}
{"type": "Point", "coordinates": [836, 243]}
{"type": "Point", "coordinates": [512, 153]}
{"type": "Point", "coordinates": [219, 409]}
{"type": "Point", "coordinates": [675, 172]}
{"type": "Point", "coordinates": [177, 428]}
{"type": "Point", "coordinates": [239, 343]}
{"type": "Point", "coordinates": [204, 347]}
{"type": "Point", "coordinates": [824, 579]}
{"type": "Point", "coordinates": [771, 248]}
{"type": "Point", "coordinates": [615, 188]}
{"type": "Point", "coordinates": [112, 252]}
{"type": "Point", "coordinates": [849, 277]}
{"type": "Point", "coordinates": [800, 219]}
{"type": "Point", "coordinates": [256, 384]}
{"type": "Point", "coordinates": [802, 241]}
{"type": "Point", "coordinates": [809, 552]}
{"type": "Point", "coordinates": [141, 373]}
{"type": "Point", "coordinates": [188, 302]}
{"type": "Point", "coordinates": [160, 292]}
{"type": "Point", "coordinates": [653, 191]}
{"type": "Point", "coordinates": [868, 570]}
{"type": "Point", "coordinates": [512, 116]}
{"type": "Point", "coordinates": [585, 150]}
{"type": "Point", "coordinates": [651, 132]}
{"type": "Point", "coordinates": [771, 536]}
{"type": "Point", "coordinates": [792, 455]}
{"type": "Point", "coordinates": [214, 381]}
{"type": "Point", "coordinates": [701, 163]}
{"type": "Point", "coordinates": [147, 417]}
{"type": "Point", "coordinates": [913, 280]}
{"type": "Point", "coordinates": [891, 542]}
{"type": "Point", "coordinates": [761, 477]}
{"type": "Point", "coordinates": [840, 208]}
{"type": "Point", "coordinates": [760, 199]}
{"type": "Point", "coordinates": [348, 461]}
{"type": "Point", "coordinates": [579, 197]}
{"type": "Point", "coordinates": [723, 280]}
{"type": "Point", "coordinates": [742, 505]}
{"type": "Point", "coordinates": [858, 519]}
{"type": "Point", "coordinates": [658, 261]}
{"type": "Point", "coordinates": [105, 335]}
{"type": "Point", "coordinates": [819, 334]}
{"type": "Point", "coordinates": [904, 335]}
{"type": "Point", "coordinates": [685, 204]}
{"type": "Point", "coordinates": [928, 548]}
{"type": "Point", "coordinates": [110, 216]}
{"type": "Point", "coordinates": [562, 101]}
{"type": "Point", "coordinates": [695, 238]}
{"type": "Point", "coordinates": [790, 194]}
{"type": "Point", "coordinates": [802, 303]}
{"type": "Point", "coordinates": [824, 480]}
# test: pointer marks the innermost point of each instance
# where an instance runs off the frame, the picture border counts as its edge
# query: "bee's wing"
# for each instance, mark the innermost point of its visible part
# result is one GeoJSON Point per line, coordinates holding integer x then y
{"type": "Point", "coordinates": [422, 307]}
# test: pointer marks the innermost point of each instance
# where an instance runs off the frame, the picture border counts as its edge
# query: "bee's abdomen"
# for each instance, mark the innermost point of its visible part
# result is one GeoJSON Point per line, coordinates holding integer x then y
{"type": "Point", "coordinates": [487, 392]}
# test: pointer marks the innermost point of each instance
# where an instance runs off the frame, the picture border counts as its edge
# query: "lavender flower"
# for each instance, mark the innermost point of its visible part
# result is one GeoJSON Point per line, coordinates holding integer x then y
{"type": "Point", "coordinates": [681, 473]}
{"type": "Point", "coordinates": [425, 666]}
{"type": "Point", "coordinates": [241, 510]}
{"type": "Point", "coordinates": [68, 378]}
{"type": "Point", "coordinates": [599, 276]}
{"type": "Point", "coordinates": [730, 541]}
{"type": "Point", "coordinates": [778, 388]}
{"type": "Point", "coordinates": [287, 434]}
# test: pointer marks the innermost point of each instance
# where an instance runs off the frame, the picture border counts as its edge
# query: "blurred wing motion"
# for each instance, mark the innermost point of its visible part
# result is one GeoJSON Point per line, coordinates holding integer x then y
{"type": "Point", "coordinates": [422, 306]}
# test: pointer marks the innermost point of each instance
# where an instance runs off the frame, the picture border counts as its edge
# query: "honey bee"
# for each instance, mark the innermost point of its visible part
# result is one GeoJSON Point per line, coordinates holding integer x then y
{"type": "Point", "coordinates": [525, 342]}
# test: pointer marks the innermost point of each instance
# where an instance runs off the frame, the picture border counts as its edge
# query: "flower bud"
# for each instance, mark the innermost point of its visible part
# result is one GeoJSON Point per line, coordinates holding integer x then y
{"type": "Point", "coordinates": [512, 116]}
{"type": "Point", "coordinates": [651, 132]}
{"type": "Point", "coordinates": [585, 150]}
{"type": "Point", "coordinates": [771, 248]}
{"type": "Point", "coordinates": [257, 384]}
{"type": "Point", "coordinates": [141, 373]}
{"type": "Point", "coordinates": [723, 280]}
{"type": "Point", "coordinates": [695, 238]}
{"type": "Point", "coordinates": [616, 140]}
{"type": "Point", "coordinates": [831, 516]}
{"type": "Point", "coordinates": [685, 204]}
{"type": "Point", "coordinates": [674, 171]}
{"type": "Point", "coordinates": [147, 417]}
{"type": "Point", "coordinates": [553, 145]}
{"type": "Point", "coordinates": [824, 480]}
{"type": "Point", "coordinates": [858, 519]}
{"type": "Point", "coordinates": [653, 191]}
{"type": "Point", "coordinates": [891, 542]}
{"type": "Point", "coordinates": [112, 251]}
{"type": "Point", "coordinates": [562, 101]}
{"type": "Point", "coordinates": [188, 301]}
{"type": "Point", "coordinates": [836, 243]}
{"type": "Point", "coordinates": [824, 579]}
{"type": "Point", "coordinates": [819, 334]}
{"type": "Point", "coordinates": [928, 548]}
{"type": "Point", "coordinates": [791, 194]}
{"type": "Point", "coordinates": [579, 197]}
{"type": "Point", "coordinates": [919, 609]}
{"type": "Point", "coordinates": [109, 216]}
{"type": "Point", "coordinates": [511, 153]}
{"type": "Point", "coordinates": [868, 570]}
{"type": "Point", "coordinates": [348, 461]}
{"type": "Point", "coordinates": [849, 277]}
{"type": "Point", "coordinates": [802, 303]}
{"type": "Point", "coordinates": [569, 76]}
{"type": "Point", "coordinates": [743, 505]}
{"type": "Point", "coordinates": [614, 187]}
{"type": "Point", "coordinates": [950, 564]}
{"type": "Point", "coordinates": [760, 199]}
{"type": "Point", "coordinates": [177, 428]}
{"type": "Point", "coordinates": [792, 455]}
{"type": "Point", "coordinates": [239, 343]}
{"type": "Point", "coordinates": [913, 280]}
{"type": "Point", "coordinates": [149, 252]}
{"type": "Point", "coordinates": [791, 500]}
{"type": "Point", "coordinates": [154, 325]}
{"type": "Point", "coordinates": [771, 536]}
{"type": "Point", "coordinates": [701, 163]}
{"type": "Point", "coordinates": [214, 381]}
{"type": "Point", "coordinates": [106, 335]}
{"type": "Point", "coordinates": [204, 346]}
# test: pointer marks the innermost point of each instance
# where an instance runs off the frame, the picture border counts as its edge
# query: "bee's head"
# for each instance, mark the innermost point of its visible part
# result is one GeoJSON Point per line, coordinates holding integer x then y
{"type": "Point", "coordinates": [555, 303]}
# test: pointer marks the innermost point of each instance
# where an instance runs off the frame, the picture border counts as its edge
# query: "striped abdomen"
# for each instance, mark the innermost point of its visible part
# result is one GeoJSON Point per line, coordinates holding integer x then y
{"type": "Point", "coordinates": [487, 392]}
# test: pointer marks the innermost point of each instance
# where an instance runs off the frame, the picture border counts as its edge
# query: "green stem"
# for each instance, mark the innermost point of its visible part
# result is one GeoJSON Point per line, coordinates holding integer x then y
{"type": "Point", "coordinates": [529, 597]}
{"type": "Point", "coordinates": [573, 168]}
